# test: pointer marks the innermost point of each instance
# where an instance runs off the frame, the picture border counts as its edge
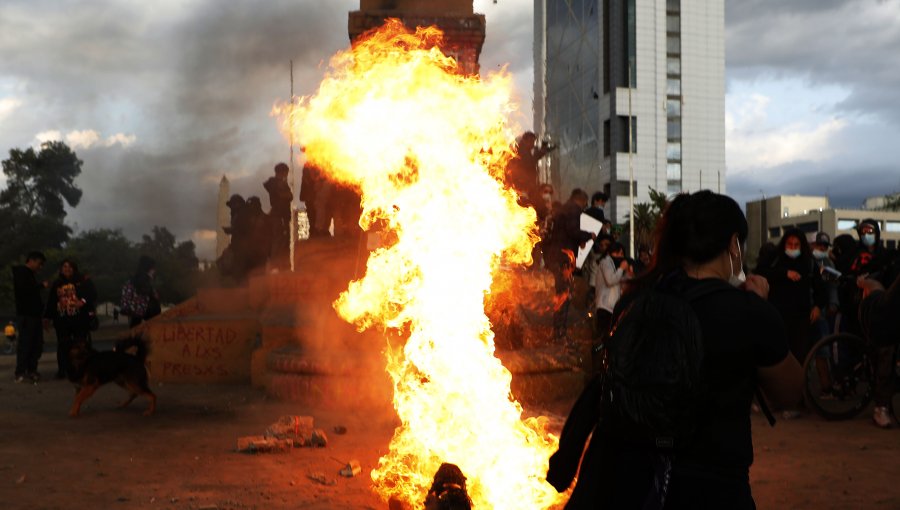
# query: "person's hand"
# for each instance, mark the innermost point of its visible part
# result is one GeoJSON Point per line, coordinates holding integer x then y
{"type": "Point", "coordinates": [593, 236]}
{"type": "Point", "coordinates": [757, 285]}
{"type": "Point", "coordinates": [868, 286]}
{"type": "Point", "coordinates": [624, 265]}
{"type": "Point", "coordinates": [793, 276]}
{"type": "Point", "coordinates": [814, 314]}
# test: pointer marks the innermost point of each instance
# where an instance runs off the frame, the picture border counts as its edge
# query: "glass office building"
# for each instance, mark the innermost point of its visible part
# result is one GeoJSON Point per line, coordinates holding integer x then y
{"type": "Point", "coordinates": [631, 86]}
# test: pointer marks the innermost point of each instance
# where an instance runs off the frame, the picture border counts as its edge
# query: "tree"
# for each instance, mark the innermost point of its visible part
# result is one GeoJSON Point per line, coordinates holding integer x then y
{"type": "Point", "coordinates": [177, 265]}
{"type": "Point", "coordinates": [38, 184]}
{"type": "Point", "coordinates": [891, 202]}
{"type": "Point", "coordinates": [32, 207]}
{"type": "Point", "coordinates": [646, 216]}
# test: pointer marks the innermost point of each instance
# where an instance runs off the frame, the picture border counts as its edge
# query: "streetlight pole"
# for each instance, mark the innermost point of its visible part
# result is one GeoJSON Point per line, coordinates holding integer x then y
{"type": "Point", "coordinates": [630, 171]}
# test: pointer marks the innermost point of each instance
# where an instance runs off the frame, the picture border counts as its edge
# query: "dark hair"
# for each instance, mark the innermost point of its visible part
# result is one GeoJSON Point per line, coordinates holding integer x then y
{"type": "Point", "coordinates": [805, 250]}
{"type": "Point", "coordinates": [281, 168]}
{"type": "Point", "coordinates": [599, 196]}
{"type": "Point", "coordinates": [35, 255]}
{"type": "Point", "coordinates": [145, 264]}
{"type": "Point", "coordinates": [75, 273]}
{"type": "Point", "coordinates": [614, 247]}
{"type": "Point", "coordinates": [578, 193]}
{"type": "Point", "coordinates": [694, 228]}
{"type": "Point", "coordinates": [767, 254]}
{"type": "Point", "coordinates": [843, 248]}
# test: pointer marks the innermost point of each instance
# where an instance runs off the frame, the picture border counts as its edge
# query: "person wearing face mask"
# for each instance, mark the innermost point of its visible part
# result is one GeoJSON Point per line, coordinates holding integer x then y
{"type": "Point", "coordinates": [870, 255]}
{"type": "Point", "coordinates": [793, 286]}
{"type": "Point", "coordinates": [698, 245]}
{"type": "Point", "coordinates": [608, 281]}
{"type": "Point", "coordinates": [822, 264]}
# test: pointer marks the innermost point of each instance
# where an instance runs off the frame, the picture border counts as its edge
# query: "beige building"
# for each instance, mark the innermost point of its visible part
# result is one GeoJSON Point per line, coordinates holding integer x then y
{"type": "Point", "coordinates": [770, 217]}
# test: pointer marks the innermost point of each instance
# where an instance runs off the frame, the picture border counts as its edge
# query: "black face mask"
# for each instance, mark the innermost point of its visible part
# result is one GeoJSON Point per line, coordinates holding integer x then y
{"type": "Point", "coordinates": [617, 260]}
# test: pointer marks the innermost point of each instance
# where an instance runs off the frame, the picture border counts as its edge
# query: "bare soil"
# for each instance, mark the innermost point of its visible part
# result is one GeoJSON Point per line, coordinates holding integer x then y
{"type": "Point", "coordinates": [184, 456]}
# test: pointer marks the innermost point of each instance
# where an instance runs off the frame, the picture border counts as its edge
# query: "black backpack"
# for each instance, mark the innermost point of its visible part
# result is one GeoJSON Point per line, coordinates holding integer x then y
{"type": "Point", "coordinates": [653, 383]}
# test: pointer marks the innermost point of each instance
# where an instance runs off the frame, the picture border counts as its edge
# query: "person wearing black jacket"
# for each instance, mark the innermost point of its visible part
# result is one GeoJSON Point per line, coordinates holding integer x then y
{"type": "Point", "coordinates": [565, 238]}
{"type": "Point", "coordinates": [29, 308]}
{"type": "Point", "coordinates": [878, 314]}
{"type": "Point", "coordinates": [71, 306]}
{"type": "Point", "coordinates": [796, 289]}
{"type": "Point", "coordinates": [143, 286]}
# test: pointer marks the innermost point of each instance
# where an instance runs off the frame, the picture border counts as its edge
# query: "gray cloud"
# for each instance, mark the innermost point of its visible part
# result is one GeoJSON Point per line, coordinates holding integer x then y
{"type": "Point", "coordinates": [853, 44]}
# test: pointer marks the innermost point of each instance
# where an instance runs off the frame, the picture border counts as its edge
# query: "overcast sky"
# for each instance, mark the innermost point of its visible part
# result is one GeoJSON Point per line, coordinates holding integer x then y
{"type": "Point", "coordinates": [162, 98]}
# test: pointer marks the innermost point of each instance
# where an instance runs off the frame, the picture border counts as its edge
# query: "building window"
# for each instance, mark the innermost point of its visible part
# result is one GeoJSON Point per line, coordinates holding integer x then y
{"type": "Point", "coordinates": [673, 151]}
{"type": "Point", "coordinates": [607, 138]}
{"type": "Point", "coordinates": [673, 44]}
{"type": "Point", "coordinates": [673, 5]}
{"type": "Point", "coordinates": [607, 65]}
{"type": "Point", "coordinates": [673, 66]}
{"type": "Point", "coordinates": [631, 31]}
{"type": "Point", "coordinates": [622, 188]}
{"type": "Point", "coordinates": [809, 228]}
{"type": "Point", "coordinates": [892, 226]}
{"type": "Point", "coordinates": [673, 108]}
{"type": "Point", "coordinates": [673, 187]}
{"type": "Point", "coordinates": [673, 23]}
{"type": "Point", "coordinates": [673, 87]}
{"type": "Point", "coordinates": [673, 171]}
{"type": "Point", "coordinates": [673, 129]}
{"type": "Point", "coordinates": [846, 224]}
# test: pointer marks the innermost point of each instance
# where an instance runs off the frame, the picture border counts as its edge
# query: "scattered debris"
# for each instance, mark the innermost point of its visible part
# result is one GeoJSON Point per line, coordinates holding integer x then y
{"type": "Point", "coordinates": [340, 430]}
{"type": "Point", "coordinates": [263, 444]}
{"type": "Point", "coordinates": [319, 477]}
{"type": "Point", "coordinates": [286, 433]}
{"type": "Point", "coordinates": [351, 469]}
{"type": "Point", "coordinates": [318, 439]}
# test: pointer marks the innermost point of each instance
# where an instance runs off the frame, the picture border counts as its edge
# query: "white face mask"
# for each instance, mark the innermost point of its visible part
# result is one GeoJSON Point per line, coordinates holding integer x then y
{"type": "Point", "coordinates": [737, 279]}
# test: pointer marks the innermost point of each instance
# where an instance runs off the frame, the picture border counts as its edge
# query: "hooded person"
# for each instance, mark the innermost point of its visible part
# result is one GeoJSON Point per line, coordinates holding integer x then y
{"type": "Point", "coordinates": [870, 255]}
{"type": "Point", "coordinates": [71, 307]}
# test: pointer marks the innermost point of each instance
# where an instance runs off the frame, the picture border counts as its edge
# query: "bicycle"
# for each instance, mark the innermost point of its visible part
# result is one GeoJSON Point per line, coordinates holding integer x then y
{"type": "Point", "coordinates": [839, 377]}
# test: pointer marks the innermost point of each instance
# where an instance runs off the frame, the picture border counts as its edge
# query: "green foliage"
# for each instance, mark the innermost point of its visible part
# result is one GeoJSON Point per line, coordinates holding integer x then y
{"type": "Point", "coordinates": [646, 216]}
{"type": "Point", "coordinates": [177, 266]}
{"type": "Point", "coordinates": [32, 213]}
{"type": "Point", "coordinates": [38, 184]}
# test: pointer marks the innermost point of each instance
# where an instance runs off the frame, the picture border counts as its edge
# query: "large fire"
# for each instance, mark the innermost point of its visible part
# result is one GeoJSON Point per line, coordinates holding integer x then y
{"type": "Point", "coordinates": [427, 147]}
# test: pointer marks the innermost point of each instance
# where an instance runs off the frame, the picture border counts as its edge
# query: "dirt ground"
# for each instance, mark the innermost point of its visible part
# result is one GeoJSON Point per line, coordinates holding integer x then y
{"type": "Point", "coordinates": [184, 456]}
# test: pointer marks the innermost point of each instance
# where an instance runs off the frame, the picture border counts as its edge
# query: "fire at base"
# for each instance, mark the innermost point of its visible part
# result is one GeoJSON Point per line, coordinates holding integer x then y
{"type": "Point", "coordinates": [427, 148]}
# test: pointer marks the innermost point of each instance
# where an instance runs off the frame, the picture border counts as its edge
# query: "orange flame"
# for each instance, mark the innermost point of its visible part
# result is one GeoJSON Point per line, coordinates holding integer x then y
{"type": "Point", "coordinates": [427, 147]}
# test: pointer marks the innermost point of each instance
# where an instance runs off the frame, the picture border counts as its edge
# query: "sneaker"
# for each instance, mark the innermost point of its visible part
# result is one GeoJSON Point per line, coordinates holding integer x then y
{"type": "Point", "coordinates": [20, 378]}
{"type": "Point", "coordinates": [34, 376]}
{"type": "Point", "coordinates": [881, 417]}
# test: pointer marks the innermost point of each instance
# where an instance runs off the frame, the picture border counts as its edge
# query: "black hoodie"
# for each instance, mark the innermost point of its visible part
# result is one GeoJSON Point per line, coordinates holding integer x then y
{"type": "Point", "coordinates": [27, 291]}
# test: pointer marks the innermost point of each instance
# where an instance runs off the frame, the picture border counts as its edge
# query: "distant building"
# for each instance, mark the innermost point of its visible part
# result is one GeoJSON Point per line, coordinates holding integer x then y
{"type": "Point", "coordinates": [223, 217]}
{"type": "Point", "coordinates": [768, 219]}
{"type": "Point", "coordinates": [659, 62]}
{"type": "Point", "coordinates": [463, 29]}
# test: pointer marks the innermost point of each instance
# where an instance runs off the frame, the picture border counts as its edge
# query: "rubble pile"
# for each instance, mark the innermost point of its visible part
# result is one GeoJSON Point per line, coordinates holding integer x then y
{"type": "Point", "coordinates": [283, 435]}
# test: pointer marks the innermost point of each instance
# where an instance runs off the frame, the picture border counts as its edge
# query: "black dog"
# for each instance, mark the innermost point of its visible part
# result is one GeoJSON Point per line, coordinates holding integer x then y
{"type": "Point", "coordinates": [90, 369]}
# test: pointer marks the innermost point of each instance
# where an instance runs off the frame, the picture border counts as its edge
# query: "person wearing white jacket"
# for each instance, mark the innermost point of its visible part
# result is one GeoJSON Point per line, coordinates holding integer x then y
{"type": "Point", "coordinates": [613, 271]}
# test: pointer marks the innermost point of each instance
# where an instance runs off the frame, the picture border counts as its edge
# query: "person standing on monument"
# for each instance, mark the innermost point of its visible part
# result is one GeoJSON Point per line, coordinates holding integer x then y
{"type": "Point", "coordinates": [280, 196]}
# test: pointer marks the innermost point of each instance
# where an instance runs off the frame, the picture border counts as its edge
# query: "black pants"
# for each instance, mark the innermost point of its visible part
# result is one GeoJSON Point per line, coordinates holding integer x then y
{"type": "Point", "coordinates": [884, 381]}
{"type": "Point", "coordinates": [564, 281]}
{"type": "Point", "coordinates": [30, 346]}
{"type": "Point", "coordinates": [66, 335]}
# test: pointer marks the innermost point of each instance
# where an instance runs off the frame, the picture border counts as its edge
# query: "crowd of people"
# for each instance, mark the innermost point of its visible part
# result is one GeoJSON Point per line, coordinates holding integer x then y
{"type": "Point", "coordinates": [70, 308]}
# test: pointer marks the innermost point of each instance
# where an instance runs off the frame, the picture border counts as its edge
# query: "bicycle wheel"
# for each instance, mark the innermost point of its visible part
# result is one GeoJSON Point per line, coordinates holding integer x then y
{"type": "Point", "coordinates": [838, 377]}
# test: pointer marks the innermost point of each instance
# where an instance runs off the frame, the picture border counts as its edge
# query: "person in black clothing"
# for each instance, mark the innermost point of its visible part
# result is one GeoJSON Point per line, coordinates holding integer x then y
{"type": "Point", "coordinates": [29, 309]}
{"type": "Point", "coordinates": [280, 196]}
{"type": "Point", "coordinates": [71, 305]}
{"type": "Point", "coordinates": [796, 289]}
{"type": "Point", "coordinates": [878, 314]}
{"type": "Point", "coordinates": [598, 206]}
{"type": "Point", "coordinates": [868, 257]}
{"type": "Point", "coordinates": [566, 237]}
{"type": "Point", "coordinates": [698, 242]}
{"type": "Point", "coordinates": [143, 286]}
{"type": "Point", "coordinates": [258, 247]}
{"type": "Point", "coordinates": [523, 168]}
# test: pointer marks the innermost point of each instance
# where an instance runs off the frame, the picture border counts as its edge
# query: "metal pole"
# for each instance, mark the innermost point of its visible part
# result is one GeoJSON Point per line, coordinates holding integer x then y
{"type": "Point", "coordinates": [292, 225]}
{"type": "Point", "coordinates": [630, 171]}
